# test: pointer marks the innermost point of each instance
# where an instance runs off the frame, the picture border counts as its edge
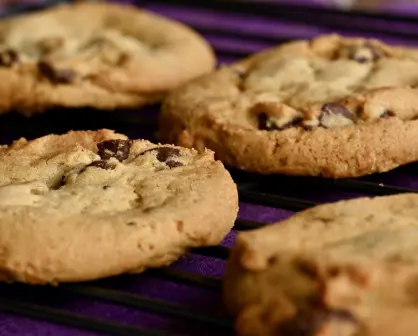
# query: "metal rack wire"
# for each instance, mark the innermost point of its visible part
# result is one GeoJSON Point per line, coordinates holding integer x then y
{"type": "Point", "coordinates": [285, 193]}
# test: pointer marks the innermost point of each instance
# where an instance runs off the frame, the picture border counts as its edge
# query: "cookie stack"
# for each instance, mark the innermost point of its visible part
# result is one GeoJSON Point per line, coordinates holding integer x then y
{"type": "Point", "coordinates": [91, 204]}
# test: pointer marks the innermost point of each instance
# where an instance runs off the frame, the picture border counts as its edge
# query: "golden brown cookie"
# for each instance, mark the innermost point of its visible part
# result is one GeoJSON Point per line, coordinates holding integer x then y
{"type": "Point", "coordinates": [347, 269]}
{"type": "Point", "coordinates": [97, 55]}
{"type": "Point", "coordinates": [86, 205]}
{"type": "Point", "coordinates": [335, 107]}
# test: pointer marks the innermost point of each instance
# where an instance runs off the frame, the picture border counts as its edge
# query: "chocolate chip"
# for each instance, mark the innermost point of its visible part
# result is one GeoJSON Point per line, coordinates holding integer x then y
{"type": "Point", "coordinates": [173, 164]}
{"type": "Point", "coordinates": [333, 272]}
{"type": "Point", "coordinates": [361, 59]}
{"type": "Point", "coordinates": [100, 164]}
{"type": "Point", "coordinates": [308, 268]}
{"type": "Point", "coordinates": [106, 187]}
{"type": "Point", "coordinates": [166, 155]}
{"type": "Point", "coordinates": [8, 58]}
{"type": "Point", "coordinates": [56, 76]}
{"type": "Point", "coordinates": [366, 53]}
{"type": "Point", "coordinates": [118, 149]}
{"type": "Point", "coordinates": [334, 115]}
{"type": "Point", "coordinates": [337, 109]}
{"type": "Point", "coordinates": [263, 123]}
{"type": "Point", "coordinates": [123, 59]}
{"type": "Point", "coordinates": [272, 260]}
{"type": "Point", "coordinates": [266, 123]}
{"type": "Point", "coordinates": [387, 114]}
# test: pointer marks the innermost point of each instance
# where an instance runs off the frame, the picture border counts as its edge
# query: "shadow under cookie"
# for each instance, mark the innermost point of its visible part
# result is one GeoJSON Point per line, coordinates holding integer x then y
{"type": "Point", "coordinates": [136, 123]}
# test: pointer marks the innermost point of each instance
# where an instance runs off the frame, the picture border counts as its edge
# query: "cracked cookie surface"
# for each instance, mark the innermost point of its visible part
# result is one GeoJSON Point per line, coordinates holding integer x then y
{"type": "Point", "coordinates": [348, 269]}
{"type": "Point", "coordinates": [86, 205]}
{"type": "Point", "coordinates": [104, 56]}
{"type": "Point", "coordinates": [335, 107]}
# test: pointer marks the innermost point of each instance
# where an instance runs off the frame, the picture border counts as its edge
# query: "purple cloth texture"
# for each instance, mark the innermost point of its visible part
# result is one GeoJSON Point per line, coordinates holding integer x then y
{"type": "Point", "coordinates": [405, 7]}
{"type": "Point", "coordinates": [233, 35]}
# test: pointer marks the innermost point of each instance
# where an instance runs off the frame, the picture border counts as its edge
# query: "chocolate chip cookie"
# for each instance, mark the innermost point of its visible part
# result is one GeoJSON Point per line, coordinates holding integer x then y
{"type": "Point", "coordinates": [348, 268]}
{"type": "Point", "coordinates": [86, 205]}
{"type": "Point", "coordinates": [334, 107]}
{"type": "Point", "coordinates": [98, 55]}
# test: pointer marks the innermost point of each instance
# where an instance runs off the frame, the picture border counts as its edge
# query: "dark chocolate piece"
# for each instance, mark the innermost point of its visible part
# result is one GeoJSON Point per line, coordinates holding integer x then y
{"type": "Point", "coordinates": [8, 57]}
{"type": "Point", "coordinates": [118, 149]}
{"type": "Point", "coordinates": [332, 109]}
{"type": "Point", "coordinates": [265, 123]}
{"type": "Point", "coordinates": [387, 114]}
{"type": "Point", "coordinates": [166, 155]}
{"type": "Point", "coordinates": [56, 76]}
{"type": "Point", "coordinates": [100, 164]}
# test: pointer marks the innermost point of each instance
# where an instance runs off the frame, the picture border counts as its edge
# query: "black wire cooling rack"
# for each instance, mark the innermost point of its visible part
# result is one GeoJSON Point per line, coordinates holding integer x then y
{"type": "Point", "coordinates": [273, 192]}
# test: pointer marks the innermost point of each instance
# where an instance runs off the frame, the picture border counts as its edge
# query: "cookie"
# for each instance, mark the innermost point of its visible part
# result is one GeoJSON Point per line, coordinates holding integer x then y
{"type": "Point", "coordinates": [334, 107]}
{"type": "Point", "coordinates": [92, 204]}
{"type": "Point", "coordinates": [98, 55]}
{"type": "Point", "coordinates": [348, 268]}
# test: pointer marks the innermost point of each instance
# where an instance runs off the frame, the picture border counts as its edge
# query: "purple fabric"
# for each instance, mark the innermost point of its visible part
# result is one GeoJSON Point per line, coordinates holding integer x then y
{"type": "Point", "coordinates": [263, 32]}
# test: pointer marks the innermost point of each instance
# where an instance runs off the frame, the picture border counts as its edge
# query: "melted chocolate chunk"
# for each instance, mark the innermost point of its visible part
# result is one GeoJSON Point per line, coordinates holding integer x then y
{"type": "Point", "coordinates": [387, 114]}
{"type": "Point", "coordinates": [308, 268]}
{"type": "Point", "coordinates": [367, 53]}
{"type": "Point", "coordinates": [265, 123]}
{"type": "Point", "coordinates": [8, 58]}
{"type": "Point", "coordinates": [331, 114]}
{"type": "Point", "coordinates": [56, 76]}
{"type": "Point", "coordinates": [100, 164]}
{"type": "Point", "coordinates": [118, 149]}
{"type": "Point", "coordinates": [173, 164]}
{"type": "Point", "coordinates": [166, 155]}
{"type": "Point", "coordinates": [361, 59]}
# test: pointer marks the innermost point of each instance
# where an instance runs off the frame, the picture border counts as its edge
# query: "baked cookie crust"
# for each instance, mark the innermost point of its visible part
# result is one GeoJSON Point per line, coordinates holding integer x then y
{"type": "Point", "coordinates": [92, 204]}
{"type": "Point", "coordinates": [348, 268]}
{"type": "Point", "coordinates": [335, 107]}
{"type": "Point", "coordinates": [99, 55]}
